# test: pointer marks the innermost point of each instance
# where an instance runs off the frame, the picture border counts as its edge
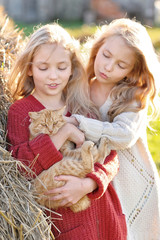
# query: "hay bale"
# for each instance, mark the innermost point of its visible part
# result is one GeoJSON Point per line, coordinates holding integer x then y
{"type": "Point", "coordinates": [11, 41]}
{"type": "Point", "coordinates": [21, 217]}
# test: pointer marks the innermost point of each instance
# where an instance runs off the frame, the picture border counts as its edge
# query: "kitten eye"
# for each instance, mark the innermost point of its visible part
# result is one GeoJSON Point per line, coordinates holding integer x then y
{"type": "Point", "coordinates": [43, 124]}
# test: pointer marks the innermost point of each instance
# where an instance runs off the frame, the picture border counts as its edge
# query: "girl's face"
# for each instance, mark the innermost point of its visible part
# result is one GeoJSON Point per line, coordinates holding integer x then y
{"type": "Point", "coordinates": [114, 61]}
{"type": "Point", "coordinates": [51, 70]}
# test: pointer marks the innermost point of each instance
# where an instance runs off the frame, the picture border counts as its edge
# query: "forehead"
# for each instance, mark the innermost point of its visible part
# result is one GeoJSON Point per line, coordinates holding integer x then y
{"type": "Point", "coordinates": [115, 43]}
{"type": "Point", "coordinates": [47, 51]}
{"type": "Point", "coordinates": [117, 47]}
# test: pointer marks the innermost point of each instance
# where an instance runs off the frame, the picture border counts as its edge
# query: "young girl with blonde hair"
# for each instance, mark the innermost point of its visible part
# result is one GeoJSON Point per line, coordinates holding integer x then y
{"type": "Point", "coordinates": [49, 74]}
{"type": "Point", "coordinates": [124, 76]}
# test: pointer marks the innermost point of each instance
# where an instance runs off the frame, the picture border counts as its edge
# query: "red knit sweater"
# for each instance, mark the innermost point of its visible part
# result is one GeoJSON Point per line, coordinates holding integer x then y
{"type": "Point", "coordinates": [104, 219]}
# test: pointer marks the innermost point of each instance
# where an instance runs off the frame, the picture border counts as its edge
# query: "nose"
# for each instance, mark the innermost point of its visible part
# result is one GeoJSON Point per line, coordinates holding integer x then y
{"type": "Point", "coordinates": [53, 74]}
{"type": "Point", "coordinates": [109, 66]}
{"type": "Point", "coordinates": [50, 131]}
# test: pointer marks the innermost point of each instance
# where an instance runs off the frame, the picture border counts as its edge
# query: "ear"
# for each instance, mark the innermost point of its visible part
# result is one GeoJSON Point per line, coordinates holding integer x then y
{"type": "Point", "coordinates": [61, 111]}
{"type": "Point", "coordinates": [30, 72]}
{"type": "Point", "coordinates": [33, 115]}
{"type": "Point", "coordinates": [71, 76]}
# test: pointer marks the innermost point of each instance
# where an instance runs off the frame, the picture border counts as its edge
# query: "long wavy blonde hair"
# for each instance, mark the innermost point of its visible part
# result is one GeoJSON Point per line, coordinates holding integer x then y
{"type": "Point", "coordinates": [143, 83]}
{"type": "Point", "coordinates": [76, 93]}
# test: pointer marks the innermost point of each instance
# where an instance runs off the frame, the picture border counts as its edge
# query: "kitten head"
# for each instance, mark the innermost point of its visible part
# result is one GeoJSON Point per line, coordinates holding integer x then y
{"type": "Point", "coordinates": [46, 122]}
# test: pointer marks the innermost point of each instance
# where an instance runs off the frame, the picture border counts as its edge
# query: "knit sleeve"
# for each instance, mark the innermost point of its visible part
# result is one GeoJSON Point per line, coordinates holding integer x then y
{"type": "Point", "coordinates": [103, 174]}
{"type": "Point", "coordinates": [39, 153]}
{"type": "Point", "coordinates": [122, 133]}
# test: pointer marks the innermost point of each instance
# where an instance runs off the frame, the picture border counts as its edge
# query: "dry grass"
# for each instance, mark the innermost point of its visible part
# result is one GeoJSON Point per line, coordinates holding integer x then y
{"type": "Point", "coordinates": [20, 215]}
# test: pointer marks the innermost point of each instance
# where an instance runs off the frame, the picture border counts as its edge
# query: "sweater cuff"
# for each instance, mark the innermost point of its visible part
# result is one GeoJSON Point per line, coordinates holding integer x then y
{"type": "Point", "coordinates": [104, 174]}
{"type": "Point", "coordinates": [91, 127]}
{"type": "Point", "coordinates": [49, 155]}
{"type": "Point", "coordinates": [98, 177]}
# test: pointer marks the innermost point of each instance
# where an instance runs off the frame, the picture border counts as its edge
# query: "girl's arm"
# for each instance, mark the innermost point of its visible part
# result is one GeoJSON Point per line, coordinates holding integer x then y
{"type": "Point", "coordinates": [122, 133]}
{"type": "Point", "coordinates": [68, 132]}
{"type": "Point", "coordinates": [95, 183]}
{"type": "Point", "coordinates": [104, 174]}
{"type": "Point", "coordinates": [73, 190]}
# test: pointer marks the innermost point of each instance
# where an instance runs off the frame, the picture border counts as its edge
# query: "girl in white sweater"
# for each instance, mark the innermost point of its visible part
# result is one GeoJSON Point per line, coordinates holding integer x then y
{"type": "Point", "coordinates": [123, 72]}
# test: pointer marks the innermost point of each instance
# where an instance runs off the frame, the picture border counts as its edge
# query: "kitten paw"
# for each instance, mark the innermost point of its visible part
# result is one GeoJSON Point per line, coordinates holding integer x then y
{"type": "Point", "coordinates": [87, 146]}
{"type": "Point", "coordinates": [104, 142]}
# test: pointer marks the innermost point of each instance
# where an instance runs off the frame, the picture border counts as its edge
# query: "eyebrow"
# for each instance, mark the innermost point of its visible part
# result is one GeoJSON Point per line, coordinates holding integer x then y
{"type": "Point", "coordinates": [41, 62]}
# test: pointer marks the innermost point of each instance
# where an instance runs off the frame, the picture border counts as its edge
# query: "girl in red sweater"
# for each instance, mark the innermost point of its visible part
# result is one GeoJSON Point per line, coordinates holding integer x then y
{"type": "Point", "coordinates": [49, 74]}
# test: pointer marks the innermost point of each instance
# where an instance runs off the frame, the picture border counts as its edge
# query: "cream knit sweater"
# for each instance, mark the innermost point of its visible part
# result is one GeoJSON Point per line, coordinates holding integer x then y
{"type": "Point", "coordinates": [137, 183]}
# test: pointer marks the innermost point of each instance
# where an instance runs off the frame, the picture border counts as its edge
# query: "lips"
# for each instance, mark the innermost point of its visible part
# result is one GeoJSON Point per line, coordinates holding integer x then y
{"type": "Point", "coordinates": [103, 75]}
{"type": "Point", "coordinates": [53, 85]}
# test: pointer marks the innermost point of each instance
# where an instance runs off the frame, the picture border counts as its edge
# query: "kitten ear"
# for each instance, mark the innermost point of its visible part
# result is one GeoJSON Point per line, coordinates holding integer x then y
{"type": "Point", "coordinates": [33, 115]}
{"type": "Point", "coordinates": [61, 111]}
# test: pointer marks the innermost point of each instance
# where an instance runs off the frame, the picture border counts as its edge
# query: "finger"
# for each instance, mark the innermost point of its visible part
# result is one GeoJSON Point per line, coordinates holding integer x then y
{"type": "Point", "coordinates": [56, 197]}
{"type": "Point", "coordinates": [62, 178]}
{"type": "Point", "coordinates": [53, 191]}
{"type": "Point", "coordinates": [78, 145]}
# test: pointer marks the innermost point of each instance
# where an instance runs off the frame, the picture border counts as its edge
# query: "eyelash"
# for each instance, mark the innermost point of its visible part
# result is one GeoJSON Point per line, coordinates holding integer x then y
{"type": "Point", "coordinates": [121, 67]}
{"type": "Point", "coordinates": [62, 68]}
{"type": "Point", "coordinates": [106, 56]}
{"type": "Point", "coordinates": [44, 69]}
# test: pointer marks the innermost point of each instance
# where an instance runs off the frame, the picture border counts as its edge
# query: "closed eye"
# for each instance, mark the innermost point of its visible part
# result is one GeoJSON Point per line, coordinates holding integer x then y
{"type": "Point", "coordinates": [106, 55]}
{"type": "Point", "coordinates": [62, 68]}
{"type": "Point", "coordinates": [44, 124]}
{"type": "Point", "coordinates": [121, 66]}
{"type": "Point", "coordinates": [55, 123]}
{"type": "Point", "coordinates": [43, 69]}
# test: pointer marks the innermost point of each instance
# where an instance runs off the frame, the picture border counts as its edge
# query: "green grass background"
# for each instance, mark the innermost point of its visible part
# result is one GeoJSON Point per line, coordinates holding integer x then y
{"type": "Point", "coordinates": [78, 30]}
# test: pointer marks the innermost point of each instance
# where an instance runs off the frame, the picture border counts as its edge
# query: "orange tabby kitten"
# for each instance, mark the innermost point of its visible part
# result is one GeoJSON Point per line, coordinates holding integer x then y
{"type": "Point", "coordinates": [76, 161]}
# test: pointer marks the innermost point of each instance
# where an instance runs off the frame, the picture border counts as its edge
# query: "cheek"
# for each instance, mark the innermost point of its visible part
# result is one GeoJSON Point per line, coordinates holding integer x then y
{"type": "Point", "coordinates": [121, 75]}
{"type": "Point", "coordinates": [99, 61]}
{"type": "Point", "coordinates": [127, 73]}
{"type": "Point", "coordinates": [69, 72]}
{"type": "Point", "coordinates": [95, 65]}
{"type": "Point", "coordinates": [67, 75]}
{"type": "Point", "coordinates": [39, 75]}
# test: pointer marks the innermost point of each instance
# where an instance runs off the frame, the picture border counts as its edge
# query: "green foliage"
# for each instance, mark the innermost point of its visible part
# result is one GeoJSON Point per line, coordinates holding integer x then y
{"type": "Point", "coordinates": [78, 28]}
{"type": "Point", "coordinates": [154, 142]}
{"type": "Point", "coordinates": [155, 37]}
{"type": "Point", "coordinates": [71, 26]}
{"type": "Point", "coordinates": [27, 28]}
